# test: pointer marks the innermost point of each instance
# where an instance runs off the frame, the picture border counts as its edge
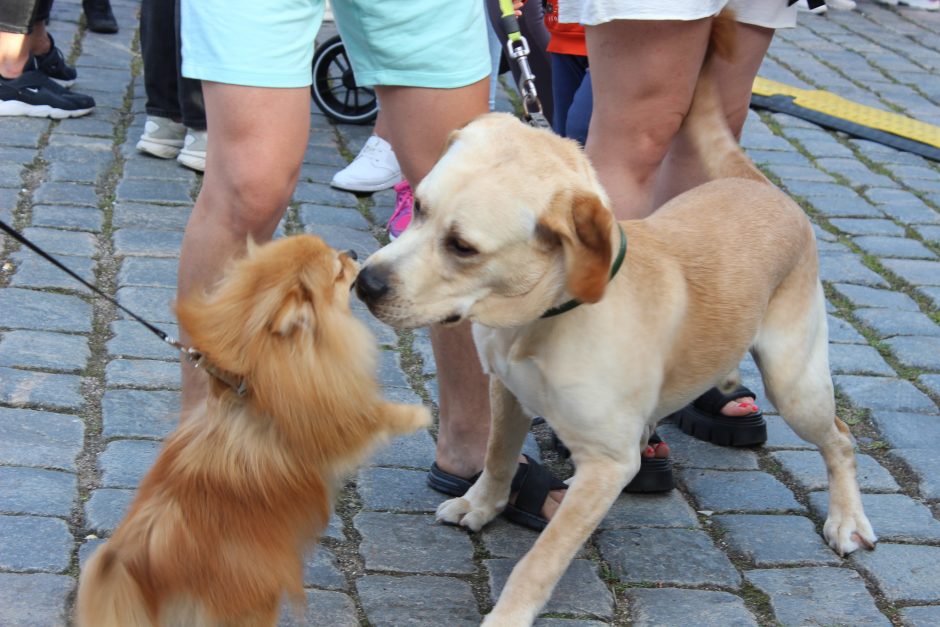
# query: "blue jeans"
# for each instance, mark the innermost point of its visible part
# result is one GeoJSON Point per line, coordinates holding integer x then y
{"type": "Point", "coordinates": [571, 92]}
{"type": "Point", "coordinates": [169, 95]}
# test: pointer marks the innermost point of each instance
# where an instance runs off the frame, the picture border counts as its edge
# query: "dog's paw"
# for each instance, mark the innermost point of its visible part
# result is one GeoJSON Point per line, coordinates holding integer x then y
{"type": "Point", "coordinates": [401, 418]}
{"type": "Point", "coordinates": [460, 511]}
{"type": "Point", "coordinates": [422, 418]}
{"type": "Point", "coordinates": [848, 533]}
{"type": "Point", "coordinates": [494, 619]}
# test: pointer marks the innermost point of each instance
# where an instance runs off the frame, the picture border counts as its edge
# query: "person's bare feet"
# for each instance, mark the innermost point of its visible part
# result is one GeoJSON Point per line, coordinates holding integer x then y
{"type": "Point", "coordinates": [740, 407]}
{"type": "Point", "coordinates": [658, 449]}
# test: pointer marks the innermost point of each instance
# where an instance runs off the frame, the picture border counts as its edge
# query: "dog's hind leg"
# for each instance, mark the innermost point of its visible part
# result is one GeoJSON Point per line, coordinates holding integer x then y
{"type": "Point", "coordinates": [792, 353]}
{"type": "Point", "coordinates": [490, 493]}
{"type": "Point", "coordinates": [594, 488]}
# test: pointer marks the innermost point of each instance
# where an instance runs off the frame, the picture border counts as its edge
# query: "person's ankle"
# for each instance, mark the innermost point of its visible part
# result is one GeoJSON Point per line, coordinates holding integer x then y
{"type": "Point", "coordinates": [42, 46]}
{"type": "Point", "coordinates": [459, 461]}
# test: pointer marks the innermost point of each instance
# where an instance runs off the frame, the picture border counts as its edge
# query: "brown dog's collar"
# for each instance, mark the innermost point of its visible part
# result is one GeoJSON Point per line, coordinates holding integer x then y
{"type": "Point", "coordinates": [571, 304]}
{"type": "Point", "coordinates": [238, 384]}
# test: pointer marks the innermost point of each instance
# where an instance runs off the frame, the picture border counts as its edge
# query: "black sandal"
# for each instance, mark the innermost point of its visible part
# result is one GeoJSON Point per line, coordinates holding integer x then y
{"type": "Point", "coordinates": [531, 485]}
{"type": "Point", "coordinates": [655, 473]}
{"type": "Point", "coordinates": [703, 420]}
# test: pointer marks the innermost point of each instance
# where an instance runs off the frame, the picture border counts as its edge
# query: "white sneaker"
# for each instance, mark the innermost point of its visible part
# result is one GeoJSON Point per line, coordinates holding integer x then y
{"type": "Point", "coordinates": [375, 168]}
{"type": "Point", "coordinates": [193, 154]}
{"type": "Point", "coordinates": [162, 137]}
{"type": "Point", "coordinates": [842, 5]}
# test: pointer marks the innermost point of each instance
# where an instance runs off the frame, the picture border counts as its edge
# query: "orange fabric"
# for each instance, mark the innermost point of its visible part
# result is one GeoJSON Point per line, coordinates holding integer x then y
{"type": "Point", "coordinates": [565, 38]}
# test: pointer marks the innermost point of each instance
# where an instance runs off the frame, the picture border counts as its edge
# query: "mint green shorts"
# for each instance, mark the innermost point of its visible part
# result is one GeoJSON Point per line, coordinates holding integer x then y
{"type": "Point", "coordinates": [414, 43]}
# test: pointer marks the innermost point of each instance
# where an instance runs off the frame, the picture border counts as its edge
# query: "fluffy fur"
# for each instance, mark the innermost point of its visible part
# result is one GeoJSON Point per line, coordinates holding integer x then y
{"type": "Point", "coordinates": [512, 221]}
{"type": "Point", "coordinates": [217, 531]}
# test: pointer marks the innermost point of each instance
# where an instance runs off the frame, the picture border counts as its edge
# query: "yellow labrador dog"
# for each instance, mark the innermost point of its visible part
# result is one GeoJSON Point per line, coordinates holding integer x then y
{"type": "Point", "coordinates": [512, 223]}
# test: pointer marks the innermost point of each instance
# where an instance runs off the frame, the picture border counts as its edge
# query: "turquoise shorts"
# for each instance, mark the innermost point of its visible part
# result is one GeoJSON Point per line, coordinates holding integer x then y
{"type": "Point", "coordinates": [414, 43]}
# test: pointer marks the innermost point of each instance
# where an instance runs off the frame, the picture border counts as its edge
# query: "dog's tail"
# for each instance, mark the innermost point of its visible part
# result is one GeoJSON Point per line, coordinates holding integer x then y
{"type": "Point", "coordinates": [108, 595]}
{"type": "Point", "coordinates": [706, 124]}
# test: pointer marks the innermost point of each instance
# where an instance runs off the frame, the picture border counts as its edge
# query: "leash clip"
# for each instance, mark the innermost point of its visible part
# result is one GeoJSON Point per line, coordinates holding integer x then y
{"type": "Point", "coordinates": [519, 51]}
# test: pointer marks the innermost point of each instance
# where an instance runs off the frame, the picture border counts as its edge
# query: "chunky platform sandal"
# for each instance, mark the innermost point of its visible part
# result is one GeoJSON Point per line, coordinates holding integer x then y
{"type": "Point", "coordinates": [655, 473]}
{"type": "Point", "coordinates": [531, 485]}
{"type": "Point", "coordinates": [703, 420]}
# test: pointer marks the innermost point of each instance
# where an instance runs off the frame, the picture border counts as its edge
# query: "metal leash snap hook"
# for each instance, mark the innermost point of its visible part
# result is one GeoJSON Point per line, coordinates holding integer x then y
{"type": "Point", "coordinates": [194, 357]}
{"type": "Point", "coordinates": [519, 50]}
{"type": "Point", "coordinates": [533, 111]}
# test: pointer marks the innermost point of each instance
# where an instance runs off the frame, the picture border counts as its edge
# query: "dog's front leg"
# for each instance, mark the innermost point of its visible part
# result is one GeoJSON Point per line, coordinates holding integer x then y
{"type": "Point", "coordinates": [596, 485]}
{"type": "Point", "coordinates": [399, 418]}
{"type": "Point", "coordinates": [847, 527]}
{"type": "Point", "coordinates": [489, 495]}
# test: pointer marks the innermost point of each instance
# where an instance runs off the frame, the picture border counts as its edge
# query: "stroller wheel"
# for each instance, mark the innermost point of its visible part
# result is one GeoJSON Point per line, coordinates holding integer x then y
{"type": "Point", "coordinates": [334, 87]}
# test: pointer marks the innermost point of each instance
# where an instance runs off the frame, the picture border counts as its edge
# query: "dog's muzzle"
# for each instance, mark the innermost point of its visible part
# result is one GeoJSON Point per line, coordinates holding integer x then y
{"type": "Point", "coordinates": [372, 284]}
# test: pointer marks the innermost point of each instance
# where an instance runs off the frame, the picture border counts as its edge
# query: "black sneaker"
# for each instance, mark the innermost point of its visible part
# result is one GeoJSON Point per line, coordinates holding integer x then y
{"type": "Point", "coordinates": [36, 95]}
{"type": "Point", "coordinates": [99, 17]}
{"type": "Point", "coordinates": [53, 65]}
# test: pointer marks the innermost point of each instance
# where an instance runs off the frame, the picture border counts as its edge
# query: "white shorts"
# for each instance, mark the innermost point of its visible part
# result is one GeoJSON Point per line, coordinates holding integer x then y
{"type": "Point", "coordinates": [766, 13]}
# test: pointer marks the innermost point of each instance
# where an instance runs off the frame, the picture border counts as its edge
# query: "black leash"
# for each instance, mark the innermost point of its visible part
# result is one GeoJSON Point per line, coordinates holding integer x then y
{"type": "Point", "coordinates": [191, 354]}
{"type": "Point", "coordinates": [36, 249]}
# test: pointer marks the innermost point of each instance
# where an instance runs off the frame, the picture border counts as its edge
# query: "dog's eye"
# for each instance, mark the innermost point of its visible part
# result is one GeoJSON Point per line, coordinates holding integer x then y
{"type": "Point", "coordinates": [416, 206]}
{"type": "Point", "coordinates": [460, 247]}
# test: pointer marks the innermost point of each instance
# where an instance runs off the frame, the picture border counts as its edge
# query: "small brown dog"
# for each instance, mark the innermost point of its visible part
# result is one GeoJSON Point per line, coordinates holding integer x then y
{"type": "Point", "coordinates": [219, 525]}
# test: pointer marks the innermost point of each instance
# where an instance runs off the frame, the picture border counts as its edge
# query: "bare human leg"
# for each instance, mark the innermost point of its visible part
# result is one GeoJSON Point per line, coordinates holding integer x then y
{"type": "Point", "coordinates": [39, 41]}
{"type": "Point", "coordinates": [14, 51]}
{"type": "Point", "coordinates": [251, 170]}
{"type": "Point", "coordinates": [639, 107]}
{"type": "Point", "coordinates": [418, 121]}
{"type": "Point", "coordinates": [418, 139]}
{"type": "Point", "coordinates": [681, 169]}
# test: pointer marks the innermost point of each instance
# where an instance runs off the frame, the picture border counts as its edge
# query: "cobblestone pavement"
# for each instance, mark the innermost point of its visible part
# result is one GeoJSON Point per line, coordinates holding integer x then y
{"type": "Point", "coordinates": [86, 394]}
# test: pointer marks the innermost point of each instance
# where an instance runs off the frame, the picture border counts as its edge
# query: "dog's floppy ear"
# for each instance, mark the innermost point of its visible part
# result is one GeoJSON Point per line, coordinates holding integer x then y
{"type": "Point", "coordinates": [583, 224]}
{"type": "Point", "coordinates": [449, 141]}
{"type": "Point", "coordinates": [295, 311]}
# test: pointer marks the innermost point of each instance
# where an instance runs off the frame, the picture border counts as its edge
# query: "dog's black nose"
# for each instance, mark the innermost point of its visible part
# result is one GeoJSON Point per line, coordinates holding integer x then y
{"type": "Point", "coordinates": [352, 254]}
{"type": "Point", "coordinates": [372, 284]}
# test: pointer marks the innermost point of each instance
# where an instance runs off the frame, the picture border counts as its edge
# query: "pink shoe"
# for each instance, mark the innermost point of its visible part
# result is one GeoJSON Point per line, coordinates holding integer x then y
{"type": "Point", "coordinates": [401, 217]}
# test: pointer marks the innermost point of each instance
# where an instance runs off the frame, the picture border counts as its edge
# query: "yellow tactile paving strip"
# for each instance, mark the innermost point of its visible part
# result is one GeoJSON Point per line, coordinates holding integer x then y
{"type": "Point", "coordinates": [838, 107]}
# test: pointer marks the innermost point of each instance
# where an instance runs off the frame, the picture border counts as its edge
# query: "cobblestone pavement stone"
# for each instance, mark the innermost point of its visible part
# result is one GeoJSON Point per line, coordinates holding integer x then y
{"type": "Point", "coordinates": [86, 394]}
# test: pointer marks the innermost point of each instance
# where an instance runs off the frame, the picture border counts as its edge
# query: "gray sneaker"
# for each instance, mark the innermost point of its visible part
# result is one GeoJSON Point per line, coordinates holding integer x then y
{"type": "Point", "coordinates": [162, 137]}
{"type": "Point", "coordinates": [193, 154]}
